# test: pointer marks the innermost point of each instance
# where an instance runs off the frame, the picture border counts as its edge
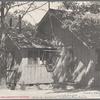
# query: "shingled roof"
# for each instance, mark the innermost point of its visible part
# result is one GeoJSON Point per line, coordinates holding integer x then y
{"type": "Point", "coordinates": [88, 39]}
{"type": "Point", "coordinates": [27, 40]}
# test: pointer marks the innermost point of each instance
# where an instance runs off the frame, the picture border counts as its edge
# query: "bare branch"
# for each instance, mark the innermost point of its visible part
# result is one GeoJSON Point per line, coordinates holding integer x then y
{"type": "Point", "coordinates": [7, 11]}
{"type": "Point", "coordinates": [25, 12]}
{"type": "Point", "coordinates": [28, 10]}
{"type": "Point", "coordinates": [32, 18]}
{"type": "Point", "coordinates": [16, 6]}
{"type": "Point", "coordinates": [43, 10]}
{"type": "Point", "coordinates": [20, 4]}
{"type": "Point", "coordinates": [37, 7]}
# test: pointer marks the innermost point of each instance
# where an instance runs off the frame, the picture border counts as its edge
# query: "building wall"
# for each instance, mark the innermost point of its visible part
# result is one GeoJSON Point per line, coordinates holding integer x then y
{"type": "Point", "coordinates": [32, 73]}
{"type": "Point", "coordinates": [22, 72]}
{"type": "Point", "coordinates": [83, 73]}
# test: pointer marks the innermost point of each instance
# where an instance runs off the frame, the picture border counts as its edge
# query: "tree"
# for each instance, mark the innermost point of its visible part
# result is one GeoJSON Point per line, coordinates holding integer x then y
{"type": "Point", "coordinates": [5, 7]}
{"type": "Point", "coordinates": [79, 12]}
{"type": "Point", "coordinates": [82, 7]}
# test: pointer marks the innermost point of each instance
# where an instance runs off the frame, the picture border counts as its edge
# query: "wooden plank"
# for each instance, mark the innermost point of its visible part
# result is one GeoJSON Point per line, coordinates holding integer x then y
{"type": "Point", "coordinates": [36, 74]}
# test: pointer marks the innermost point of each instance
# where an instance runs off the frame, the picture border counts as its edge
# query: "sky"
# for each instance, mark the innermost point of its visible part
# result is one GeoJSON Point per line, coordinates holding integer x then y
{"type": "Point", "coordinates": [35, 16]}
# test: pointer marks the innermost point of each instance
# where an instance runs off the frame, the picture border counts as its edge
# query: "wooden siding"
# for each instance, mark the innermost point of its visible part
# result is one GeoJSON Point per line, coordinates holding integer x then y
{"type": "Point", "coordinates": [32, 74]}
{"type": "Point", "coordinates": [22, 72]}
{"type": "Point", "coordinates": [36, 74]}
{"type": "Point", "coordinates": [84, 73]}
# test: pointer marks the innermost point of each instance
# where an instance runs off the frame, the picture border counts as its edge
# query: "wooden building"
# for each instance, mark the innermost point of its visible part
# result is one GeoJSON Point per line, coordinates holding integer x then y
{"type": "Point", "coordinates": [79, 54]}
{"type": "Point", "coordinates": [29, 59]}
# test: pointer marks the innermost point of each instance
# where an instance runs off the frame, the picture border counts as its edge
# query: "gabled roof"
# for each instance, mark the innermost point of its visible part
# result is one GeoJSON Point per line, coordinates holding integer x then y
{"type": "Point", "coordinates": [88, 39]}
{"type": "Point", "coordinates": [59, 14]}
{"type": "Point", "coordinates": [27, 40]}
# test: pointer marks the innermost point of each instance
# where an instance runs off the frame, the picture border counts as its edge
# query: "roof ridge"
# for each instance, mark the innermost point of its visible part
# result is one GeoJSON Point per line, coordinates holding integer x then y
{"type": "Point", "coordinates": [58, 10]}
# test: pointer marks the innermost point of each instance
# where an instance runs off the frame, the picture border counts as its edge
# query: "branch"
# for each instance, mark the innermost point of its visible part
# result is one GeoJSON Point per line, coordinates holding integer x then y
{"type": "Point", "coordinates": [37, 7]}
{"type": "Point", "coordinates": [7, 11]}
{"type": "Point", "coordinates": [15, 6]}
{"type": "Point", "coordinates": [43, 10]}
{"type": "Point", "coordinates": [27, 11]}
{"type": "Point", "coordinates": [32, 18]}
{"type": "Point", "coordinates": [20, 4]}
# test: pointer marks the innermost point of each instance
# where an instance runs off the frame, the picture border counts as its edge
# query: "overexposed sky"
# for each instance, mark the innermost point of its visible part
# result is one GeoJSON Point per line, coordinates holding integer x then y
{"type": "Point", "coordinates": [35, 16]}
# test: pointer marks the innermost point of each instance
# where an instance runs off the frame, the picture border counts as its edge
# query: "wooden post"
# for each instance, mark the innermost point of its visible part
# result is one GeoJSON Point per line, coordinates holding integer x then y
{"type": "Point", "coordinates": [48, 5]}
{"type": "Point", "coordinates": [10, 22]}
{"type": "Point", "coordinates": [19, 23]}
{"type": "Point", "coordinates": [38, 57]}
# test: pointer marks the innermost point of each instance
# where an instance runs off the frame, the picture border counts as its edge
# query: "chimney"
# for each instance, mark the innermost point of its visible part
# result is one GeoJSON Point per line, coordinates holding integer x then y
{"type": "Point", "coordinates": [48, 5]}
{"type": "Point", "coordinates": [19, 23]}
{"type": "Point", "coordinates": [10, 23]}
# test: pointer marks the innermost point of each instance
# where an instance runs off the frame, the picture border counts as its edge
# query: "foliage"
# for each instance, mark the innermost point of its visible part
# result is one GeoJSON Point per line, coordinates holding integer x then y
{"type": "Point", "coordinates": [82, 22]}
{"type": "Point", "coordinates": [5, 7]}
{"type": "Point", "coordinates": [82, 7]}
{"type": "Point", "coordinates": [24, 24]}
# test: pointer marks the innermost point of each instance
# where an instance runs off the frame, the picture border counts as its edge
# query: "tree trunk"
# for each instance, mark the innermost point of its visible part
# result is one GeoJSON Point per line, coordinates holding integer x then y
{"type": "Point", "coordinates": [2, 63]}
{"type": "Point", "coordinates": [2, 15]}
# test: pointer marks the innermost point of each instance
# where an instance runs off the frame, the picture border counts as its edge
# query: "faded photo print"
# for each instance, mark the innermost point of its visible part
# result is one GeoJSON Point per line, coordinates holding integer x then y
{"type": "Point", "coordinates": [49, 49]}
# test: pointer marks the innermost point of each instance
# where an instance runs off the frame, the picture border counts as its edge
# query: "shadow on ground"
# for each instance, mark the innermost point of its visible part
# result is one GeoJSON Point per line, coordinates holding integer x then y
{"type": "Point", "coordinates": [74, 90]}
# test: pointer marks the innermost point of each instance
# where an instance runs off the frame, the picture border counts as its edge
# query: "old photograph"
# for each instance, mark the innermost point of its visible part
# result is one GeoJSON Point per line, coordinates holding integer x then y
{"type": "Point", "coordinates": [49, 49]}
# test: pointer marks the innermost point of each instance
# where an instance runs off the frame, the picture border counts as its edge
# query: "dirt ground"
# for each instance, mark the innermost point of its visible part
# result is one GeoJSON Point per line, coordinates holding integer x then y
{"type": "Point", "coordinates": [35, 93]}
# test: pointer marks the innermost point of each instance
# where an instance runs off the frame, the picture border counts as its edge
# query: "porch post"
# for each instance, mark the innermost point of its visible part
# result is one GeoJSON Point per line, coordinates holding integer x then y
{"type": "Point", "coordinates": [38, 59]}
